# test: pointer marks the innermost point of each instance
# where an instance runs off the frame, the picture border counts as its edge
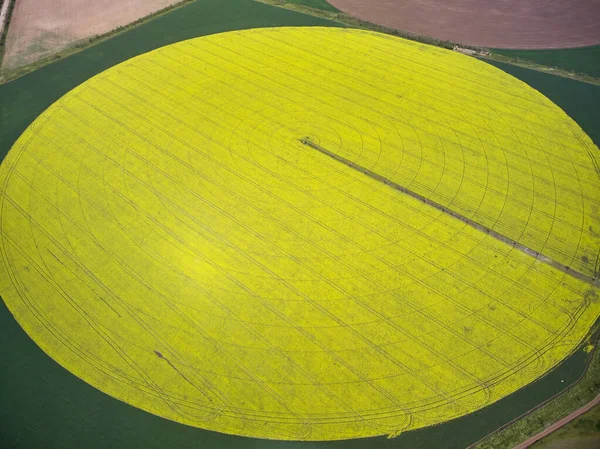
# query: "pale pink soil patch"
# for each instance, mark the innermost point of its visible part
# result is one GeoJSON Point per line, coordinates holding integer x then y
{"type": "Point", "coordinates": [487, 23]}
{"type": "Point", "coordinates": [40, 28]}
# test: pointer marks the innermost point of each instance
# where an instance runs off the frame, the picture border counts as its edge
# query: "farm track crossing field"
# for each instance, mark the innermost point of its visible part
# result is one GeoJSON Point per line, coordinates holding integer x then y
{"type": "Point", "coordinates": [197, 261]}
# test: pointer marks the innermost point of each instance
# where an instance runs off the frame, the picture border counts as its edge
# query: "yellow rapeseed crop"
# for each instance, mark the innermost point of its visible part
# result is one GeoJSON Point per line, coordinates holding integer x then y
{"type": "Point", "coordinates": [167, 238]}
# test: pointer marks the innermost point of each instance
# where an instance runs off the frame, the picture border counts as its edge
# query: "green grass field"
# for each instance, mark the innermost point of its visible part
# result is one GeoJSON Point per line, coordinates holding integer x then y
{"type": "Point", "coordinates": [578, 99]}
{"type": "Point", "coordinates": [45, 406]}
{"type": "Point", "coordinates": [584, 60]}
{"type": "Point", "coordinates": [317, 4]}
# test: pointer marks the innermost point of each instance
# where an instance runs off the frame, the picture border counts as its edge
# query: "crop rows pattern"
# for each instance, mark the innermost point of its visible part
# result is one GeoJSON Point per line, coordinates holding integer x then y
{"type": "Point", "coordinates": [167, 237]}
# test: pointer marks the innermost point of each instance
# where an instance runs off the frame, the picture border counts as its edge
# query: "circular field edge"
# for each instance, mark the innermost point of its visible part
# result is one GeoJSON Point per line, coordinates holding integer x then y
{"type": "Point", "coordinates": [368, 32]}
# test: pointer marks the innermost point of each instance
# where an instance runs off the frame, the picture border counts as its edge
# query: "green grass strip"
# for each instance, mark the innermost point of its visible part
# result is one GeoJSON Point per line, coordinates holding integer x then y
{"type": "Point", "coordinates": [580, 100]}
{"type": "Point", "coordinates": [585, 60]}
{"type": "Point", "coordinates": [316, 4]}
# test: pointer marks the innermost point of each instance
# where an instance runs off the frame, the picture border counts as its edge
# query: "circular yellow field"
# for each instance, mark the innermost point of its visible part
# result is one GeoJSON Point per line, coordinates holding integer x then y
{"type": "Point", "coordinates": [167, 237]}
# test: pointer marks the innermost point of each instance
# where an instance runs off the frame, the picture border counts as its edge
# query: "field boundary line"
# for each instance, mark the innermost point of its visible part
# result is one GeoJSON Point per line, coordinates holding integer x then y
{"type": "Point", "coordinates": [594, 281]}
{"type": "Point", "coordinates": [559, 424]}
{"type": "Point", "coordinates": [341, 18]}
{"type": "Point", "coordinates": [76, 47]}
{"type": "Point", "coordinates": [592, 339]}
{"type": "Point", "coordinates": [5, 15]}
{"type": "Point", "coordinates": [481, 52]}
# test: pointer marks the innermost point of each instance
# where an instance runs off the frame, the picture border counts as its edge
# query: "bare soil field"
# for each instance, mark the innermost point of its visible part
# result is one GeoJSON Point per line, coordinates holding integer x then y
{"type": "Point", "coordinates": [3, 15]}
{"type": "Point", "coordinates": [40, 29]}
{"type": "Point", "coordinates": [519, 24]}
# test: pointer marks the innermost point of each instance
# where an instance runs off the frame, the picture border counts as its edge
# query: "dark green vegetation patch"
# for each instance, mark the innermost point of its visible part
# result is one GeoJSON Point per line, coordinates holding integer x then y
{"type": "Point", "coordinates": [316, 4]}
{"type": "Point", "coordinates": [585, 60]}
{"type": "Point", "coordinates": [581, 101]}
{"type": "Point", "coordinates": [44, 406]}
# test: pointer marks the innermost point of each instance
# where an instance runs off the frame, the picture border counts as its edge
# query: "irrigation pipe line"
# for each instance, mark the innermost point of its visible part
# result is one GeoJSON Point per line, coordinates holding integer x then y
{"type": "Point", "coordinates": [594, 281]}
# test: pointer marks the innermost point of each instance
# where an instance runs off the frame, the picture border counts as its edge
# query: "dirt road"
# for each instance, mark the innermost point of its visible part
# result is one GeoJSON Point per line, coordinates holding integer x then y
{"type": "Point", "coordinates": [4, 16]}
{"type": "Point", "coordinates": [557, 425]}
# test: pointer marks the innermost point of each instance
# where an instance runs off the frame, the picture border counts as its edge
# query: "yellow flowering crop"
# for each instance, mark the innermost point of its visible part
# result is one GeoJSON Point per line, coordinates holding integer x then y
{"type": "Point", "coordinates": [167, 237]}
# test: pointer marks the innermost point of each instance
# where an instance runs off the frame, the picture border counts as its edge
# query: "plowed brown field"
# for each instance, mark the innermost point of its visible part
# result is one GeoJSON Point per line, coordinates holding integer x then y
{"type": "Point", "coordinates": [497, 24]}
{"type": "Point", "coordinates": [41, 28]}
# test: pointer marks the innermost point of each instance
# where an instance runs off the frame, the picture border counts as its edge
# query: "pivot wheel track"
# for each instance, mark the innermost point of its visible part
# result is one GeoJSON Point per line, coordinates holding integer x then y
{"type": "Point", "coordinates": [539, 256]}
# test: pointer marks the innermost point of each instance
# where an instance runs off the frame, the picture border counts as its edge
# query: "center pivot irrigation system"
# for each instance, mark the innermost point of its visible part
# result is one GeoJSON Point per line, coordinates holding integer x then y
{"type": "Point", "coordinates": [530, 252]}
